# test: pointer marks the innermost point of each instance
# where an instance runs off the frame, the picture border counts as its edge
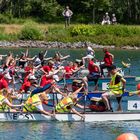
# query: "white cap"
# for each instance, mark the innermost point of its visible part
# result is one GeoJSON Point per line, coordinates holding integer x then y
{"type": "Point", "coordinates": [56, 78]}
{"type": "Point", "coordinates": [89, 48]}
{"type": "Point", "coordinates": [7, 76]}
{"type": "Point", "coordinates": [32, 77]}
{"type": "Point", "coordinates": [89, 56]}
{"type": "Point", "coordinates": [106, 13]}
{"type": "Point", "coordinates": [78, 60]}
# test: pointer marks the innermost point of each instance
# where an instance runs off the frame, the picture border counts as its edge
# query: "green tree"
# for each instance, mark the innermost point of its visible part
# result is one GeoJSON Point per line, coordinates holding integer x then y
{"type": "Point", "coordinates": [127, 11]}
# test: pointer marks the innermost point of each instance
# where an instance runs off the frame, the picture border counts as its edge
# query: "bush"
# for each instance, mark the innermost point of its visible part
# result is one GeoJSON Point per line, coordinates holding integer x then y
{"type": "Point", "coordinates": [118, 35]}
{"type": "Point", "coordinates": [31, 32]}
{"type": "Point", "coordinates": [8, 37]}
{"type": "Point", "coordinates": [87, 30]}
{"type": "Point", "coordinates": [117, 30]}
{"type": "Point", "coordinates": [4, 19]}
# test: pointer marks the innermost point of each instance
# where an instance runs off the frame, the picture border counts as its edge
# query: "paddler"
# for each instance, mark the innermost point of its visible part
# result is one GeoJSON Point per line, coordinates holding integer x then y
{"type": "Point", "coordinates": [59, 59]}
{"type": "Point", "coordinates": [29, 81]}
{"type": "Point", "coordinates": [137, 92]}
{"type": "Point", "coordinates": [49, 73]}
{"type": "Point", "coordinates": [38, 97]}
{"type": "Point", "coordinates": [94, 71]}
{"type": "Point", "coordinates": [67, 104]}
{"type": "Point", "coordinates": [69, 70]}
{"type": "Point", "coordinates": [5, 80]}
{"type": "Point", "coordinates": [5, 104]}
{"type": "Point", "coordinates": [116, 88]}
{"type": "Point", "coordinates": [89, 50]}
{"type": "Point", "coordinates": [108, 61]}
{"type": "Point", "coordinates": [72, 69]}
{"type": "Point", "coordinates": [34, 103]}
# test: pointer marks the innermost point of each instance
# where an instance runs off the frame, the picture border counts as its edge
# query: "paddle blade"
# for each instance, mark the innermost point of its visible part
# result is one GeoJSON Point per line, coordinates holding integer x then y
{"type": "Point", "coordinates": [126, 65]}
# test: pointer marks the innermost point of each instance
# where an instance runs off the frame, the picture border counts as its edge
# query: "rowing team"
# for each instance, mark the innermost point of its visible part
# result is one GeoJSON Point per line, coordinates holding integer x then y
{"type": "Point", "coordinates": [38, 97]}
{"type": "Point", "coordinates": [37, 65]}
{"type": "Point", "coordinates": [54, 69]}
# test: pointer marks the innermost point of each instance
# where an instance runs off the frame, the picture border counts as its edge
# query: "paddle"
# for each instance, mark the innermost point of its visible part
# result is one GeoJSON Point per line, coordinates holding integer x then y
{"type": "Point", "coordinates": [137, 92]}
{"type": "Point", "coordinates": [45, 53]}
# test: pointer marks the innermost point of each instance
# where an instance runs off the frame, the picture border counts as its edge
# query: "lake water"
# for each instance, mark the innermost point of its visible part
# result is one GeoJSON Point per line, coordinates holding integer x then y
{"type": "Point", "coordinates": [74, 130]}
{"type": "Point", "coordinates": [67, 130]}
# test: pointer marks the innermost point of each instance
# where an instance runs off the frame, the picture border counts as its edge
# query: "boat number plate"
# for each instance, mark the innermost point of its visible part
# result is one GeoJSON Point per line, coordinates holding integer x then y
{"type": "Point", "coordinates": [105, 86]}
{"type": "Point", "coordinates": [134, 105]}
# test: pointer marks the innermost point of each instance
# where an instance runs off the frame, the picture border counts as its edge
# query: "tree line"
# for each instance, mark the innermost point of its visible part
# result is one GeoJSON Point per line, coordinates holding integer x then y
{"type": "Point", "coordinates": [85, 11]}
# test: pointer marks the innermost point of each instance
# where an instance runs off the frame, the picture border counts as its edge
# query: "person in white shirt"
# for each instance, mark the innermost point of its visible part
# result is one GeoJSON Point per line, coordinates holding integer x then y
{"type": "Point", "coordinates": [90, 51]}
{"type": "Point", "coordinates": [67, 13]}
{"type": "Point", "coordinates": [106, 19]}
{"type": "Point", "coordinates": [114, 19]}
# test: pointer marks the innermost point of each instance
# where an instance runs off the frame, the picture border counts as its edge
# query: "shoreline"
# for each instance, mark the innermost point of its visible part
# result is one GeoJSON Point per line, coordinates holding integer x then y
{"type": "Point", "coordinates": [61, 45]}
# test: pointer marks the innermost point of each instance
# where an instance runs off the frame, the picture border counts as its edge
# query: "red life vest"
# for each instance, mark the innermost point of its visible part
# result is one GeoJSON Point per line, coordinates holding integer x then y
{"type": "Point", "coordinates": [108, 59]}
{"type": "Point", "coordinates": [92, 68]}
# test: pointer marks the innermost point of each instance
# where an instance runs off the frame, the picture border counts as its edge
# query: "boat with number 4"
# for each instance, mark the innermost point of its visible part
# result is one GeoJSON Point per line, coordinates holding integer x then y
{"type": "Point", "coordinates": [132, 113]}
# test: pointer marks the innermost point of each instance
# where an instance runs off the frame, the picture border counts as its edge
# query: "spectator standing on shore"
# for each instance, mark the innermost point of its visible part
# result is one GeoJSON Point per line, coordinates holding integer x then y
{"type": "Point", "coordinates": [106, 19]}
{"type": "Point", "coordinates": [67, 13]}
{"type": "Point", "coordinates": [114, 19]}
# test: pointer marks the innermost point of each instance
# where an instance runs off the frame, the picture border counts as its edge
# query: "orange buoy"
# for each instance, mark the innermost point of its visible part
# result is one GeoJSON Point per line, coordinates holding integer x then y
{"type": "Point", "coordinates": [138, 86]}
{"type": "Point", "coordinates": [127, 136]}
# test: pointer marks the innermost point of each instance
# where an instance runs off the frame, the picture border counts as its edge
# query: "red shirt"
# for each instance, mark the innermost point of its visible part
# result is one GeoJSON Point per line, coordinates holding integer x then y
{"type": "Point", "coordinates": [45, 80]}
{"type": "Point", "coordinates": [92, 68]}
{"type": "Point", "coordinates": [3, 84]}
{"type": "Point", "coordinates": [74, 67]}
{"type": "Point", "coordinates": [26, 79]}
{"type": "Point", "coordinates": [28, 70]}
{"type": "Point", "coordinates": [25, 86]}
{"type": "Point", "coordinates": [108, 59]}
{"type": "Point", "coordinates": [47, 68]}
{"type": "Point", "coordinates": [69, 72]}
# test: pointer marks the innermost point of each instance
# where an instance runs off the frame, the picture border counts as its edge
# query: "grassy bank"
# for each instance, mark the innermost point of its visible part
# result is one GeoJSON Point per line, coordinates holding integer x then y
{"type": "Point", "coordinates": [118, 35]}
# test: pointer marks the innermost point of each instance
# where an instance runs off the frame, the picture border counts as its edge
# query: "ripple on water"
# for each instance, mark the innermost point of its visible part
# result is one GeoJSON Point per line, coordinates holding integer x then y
{"type": "Point", "coordinates": [67, 130]}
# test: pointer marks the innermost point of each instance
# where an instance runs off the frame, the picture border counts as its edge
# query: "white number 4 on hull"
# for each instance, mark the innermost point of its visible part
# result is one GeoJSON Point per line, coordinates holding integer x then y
{"type": "Point", "coordinates": [133, 105]}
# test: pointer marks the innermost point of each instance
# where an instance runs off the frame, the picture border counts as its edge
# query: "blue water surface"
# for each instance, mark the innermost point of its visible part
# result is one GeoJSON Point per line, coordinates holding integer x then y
{"type": "Point", "coordinates": [66, 130]}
